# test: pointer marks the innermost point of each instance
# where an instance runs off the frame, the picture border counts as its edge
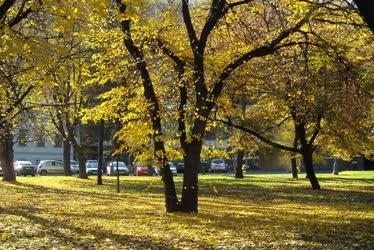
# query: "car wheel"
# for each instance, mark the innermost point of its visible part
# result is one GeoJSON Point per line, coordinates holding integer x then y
{"type": "Point", "coordinates": [43, 172]}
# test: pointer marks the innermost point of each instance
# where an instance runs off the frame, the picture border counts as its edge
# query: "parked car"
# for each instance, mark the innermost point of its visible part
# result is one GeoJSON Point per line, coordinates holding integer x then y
{"type": "Point", "coordinates": [91, 167]}
{"type": "Point", "coordinates": [24, 168]}
{"type": "Point", "coordinates": [180, 167]}
{"type": "Point", "coordinates": [173, 168]}
{"type": "Point", "coordinates": [74, 165]}
{"type": "Point", "coordinates": [92, 163]}
{"type": "Point", "coordinates": [122, 168]}
{"type": "Point", "coordinates": [1, 171]}
{"type": "Point", "coordinates": [46, 167]}
{"type": "Point", "coordinates": [204, 167]}
{"type": "Point", "coordinates": [218, 165]}
{"type": "Point", "coordinates": [143, 168]}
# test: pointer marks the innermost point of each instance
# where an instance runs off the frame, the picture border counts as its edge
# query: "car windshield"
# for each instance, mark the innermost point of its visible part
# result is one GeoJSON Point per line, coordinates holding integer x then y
{"type": "Point", "coordinates": [74, 162]}
{"type": "Point", "coordinates": [120, 164]}
{"type": "Point", "coordinates": [218, 161]}
{"type": "Point", "coordinates": [24, 163]}
{"type": "Point", "coordinates": [92, 161]}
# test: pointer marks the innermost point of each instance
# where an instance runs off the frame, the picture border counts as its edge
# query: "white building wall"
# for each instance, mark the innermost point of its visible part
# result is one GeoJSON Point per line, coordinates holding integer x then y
{"type": "Point", "coordinates": [32, 152]}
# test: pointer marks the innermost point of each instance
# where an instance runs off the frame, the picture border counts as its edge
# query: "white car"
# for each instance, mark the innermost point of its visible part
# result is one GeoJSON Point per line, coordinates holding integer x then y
{"type": "Point", "coordinates": [218, 165]}
{"type": "Point", "coordinates": [1, 171]}
{"type": "Point", "coordinates": [24, 168]}
{"type": "Point", "coordinates": [172, 167]}
{"type": "Point", "coordinates": [74, 165]}
{"type": "Point", "coordinates": [91, 167]}
{"type": "Point", "coordinates": [122, 168]}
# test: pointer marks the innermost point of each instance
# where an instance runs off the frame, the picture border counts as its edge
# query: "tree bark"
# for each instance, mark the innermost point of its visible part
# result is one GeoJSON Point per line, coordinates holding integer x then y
{"type": "Point", "coordinates": [6, 152]}
{"type": "Point", "coordinates": [293, 158]}
{"type": "Point", "coordinates": [335, 170]}
{"type": "Point", "coordinates": [171, 200]}
{"type": "Point", "coordinates": [294, 167]}
{"type": "Point", "coordinates": [239, 164]}
{"type": "Point", "coordinates": [192, 162]}
{"type": "Point", "coordinates": [101, 153]}
{"type": "Point", "coordinates": [79, 153]}
{"type": "Point", "coordinates": [308, 162]}
{"type": "Point", "coordinates": [66, 153]}
{"type": "Point", "coordinates": [82, 163]}
{"type": "Point", "coordinates": [365, 8]}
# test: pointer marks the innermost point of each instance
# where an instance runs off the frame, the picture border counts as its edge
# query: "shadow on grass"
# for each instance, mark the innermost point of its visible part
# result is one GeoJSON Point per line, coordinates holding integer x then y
{"type": "Point", "coordinates": [250, 208]}
{"type": "Point", "coordinates": [51, 226]}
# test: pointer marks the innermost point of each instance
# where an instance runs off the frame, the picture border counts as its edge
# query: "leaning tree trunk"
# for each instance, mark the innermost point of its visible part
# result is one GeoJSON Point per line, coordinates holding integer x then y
{"type": "Point", "coordinates": [101, 153]}
{"type": "Point", "coordinates": [66, 153]}
{"type": "Point", "coordinates": [6, 152]}
{"type": "Point", "coordinates": [308, 162]}
{"type": "Point", "coordinates": [171, 200]}
{"type": "Point", "coordinates": [189, 202]}
{"type": "Point", "coordinates": [239, 164]}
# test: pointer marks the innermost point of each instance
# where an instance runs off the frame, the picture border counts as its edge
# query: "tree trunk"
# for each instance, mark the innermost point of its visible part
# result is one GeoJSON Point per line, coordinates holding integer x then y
{"type": "Point", "coordinates": [101, 153]}
{"type": "Point", "coordinates": [308, 161]}
{"type": "Point", "coordinates": [294, 167]}
{"type": "Point", "coordinates": [365, 9]}
{"type": "Point", "coordinates": [190, 179]}
{"type": "Point", "coordinates": [79, 153]}
{"type": "Point", "coordinates": [239, 164]}
{"type": "Point", "coordinates": [66, 153]}
{"type": "Point", "coordinates": [293, 158]}
{"type": "Point", "coordinates": [171, 200]}
{"type": "Point", "coordinates": [6, 152]}
{"type": "Point", "coordinates": [335, 170]}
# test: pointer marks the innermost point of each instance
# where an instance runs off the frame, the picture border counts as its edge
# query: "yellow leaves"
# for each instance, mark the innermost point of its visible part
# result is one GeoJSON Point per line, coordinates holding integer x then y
{"type": "Point", "coordinates": [254, 212]}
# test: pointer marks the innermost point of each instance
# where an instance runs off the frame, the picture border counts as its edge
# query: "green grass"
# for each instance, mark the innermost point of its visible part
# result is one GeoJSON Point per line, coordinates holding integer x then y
{"type": "Point", "coordinates": [258, 212]}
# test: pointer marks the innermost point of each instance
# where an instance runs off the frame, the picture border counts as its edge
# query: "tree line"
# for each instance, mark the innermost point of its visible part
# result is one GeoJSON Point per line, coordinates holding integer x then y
{"type": "Point", "coordinates": [296, 75]}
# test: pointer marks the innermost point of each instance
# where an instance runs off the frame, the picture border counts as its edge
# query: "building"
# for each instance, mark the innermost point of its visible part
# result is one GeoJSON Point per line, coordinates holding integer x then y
{"type": "Point", "coordinates": [33, 147]}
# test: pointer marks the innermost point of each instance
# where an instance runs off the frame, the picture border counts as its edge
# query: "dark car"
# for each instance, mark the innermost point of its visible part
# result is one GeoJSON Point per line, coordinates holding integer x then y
{"type": "Point", "coordinates": [180, 167]}
{"type": "Point", "coordinates": [204, 167]}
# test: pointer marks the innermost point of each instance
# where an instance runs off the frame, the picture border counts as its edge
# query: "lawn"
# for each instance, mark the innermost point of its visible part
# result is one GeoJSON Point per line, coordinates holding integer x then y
{"type": "Point", "coordinates": [258, 212]}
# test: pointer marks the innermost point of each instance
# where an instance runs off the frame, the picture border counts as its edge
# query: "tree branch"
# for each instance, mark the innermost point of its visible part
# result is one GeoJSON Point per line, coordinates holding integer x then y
{"type": "Point", "coordinates": [7, 4]}
{"type": "Point", "coordinates": [316, 130]}
{"type": "Point", "coordinates": [257, 52]}
{"type": "Point", "coordinates": [259, 136]}
{"type": "Point", "coordinates": [190, 29]}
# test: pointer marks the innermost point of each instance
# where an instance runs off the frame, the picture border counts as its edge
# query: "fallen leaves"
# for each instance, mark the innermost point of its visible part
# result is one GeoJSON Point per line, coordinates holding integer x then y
{"type": "Point", "coordinates": [259, 212]}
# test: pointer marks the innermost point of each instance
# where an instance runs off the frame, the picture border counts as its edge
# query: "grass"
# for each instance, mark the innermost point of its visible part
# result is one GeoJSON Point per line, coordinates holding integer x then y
{"type": "Point", "coordinates": [258, 212]}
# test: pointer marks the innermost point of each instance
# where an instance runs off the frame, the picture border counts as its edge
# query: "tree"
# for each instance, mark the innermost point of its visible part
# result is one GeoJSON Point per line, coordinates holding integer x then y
{"type": "Point", "coordinates": [13, 64]}
{"type": "Point", "coordinates": [191, 70]}
{"type": "Point", "coordinates": [318, 86]}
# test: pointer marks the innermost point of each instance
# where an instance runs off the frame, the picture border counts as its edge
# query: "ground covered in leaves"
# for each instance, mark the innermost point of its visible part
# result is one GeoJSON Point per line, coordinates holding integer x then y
{"type": "Point", "coordinates": [258, 212]}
